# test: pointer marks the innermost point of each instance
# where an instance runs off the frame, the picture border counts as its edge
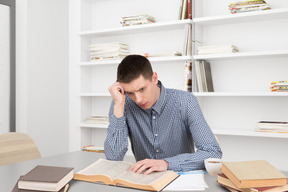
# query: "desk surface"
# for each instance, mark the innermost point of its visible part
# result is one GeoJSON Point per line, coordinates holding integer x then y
{"type": "Point", "coordinates": [9, 174]}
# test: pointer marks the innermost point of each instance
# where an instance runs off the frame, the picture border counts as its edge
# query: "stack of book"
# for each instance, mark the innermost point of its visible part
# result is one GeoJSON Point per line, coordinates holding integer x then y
{"type": "Point", "coordinates": [204, 50]}
{"type": "Point", "coordinates": [279, 86]}
{"type": "Point", "coordinates": [97, 120]}
{"type": "Point", "coordinates": [137, 20]}
{"type": "Point", "coordinates": [247, 6]}
{"type": "Point", "coordinates": [93, 148]}
{"type": "Point", "coordinates": [202, 77]}
{"type": "Point", "coordinates": [45, 178]}
{"type": "Point", "coordinates": [108, 51]}
{"type": "Point", "coordinates": [185, 9]}
{"type": "Point", "coordinates": [272, 126]}
{"type": "Point", "coordinates": [252, 176]}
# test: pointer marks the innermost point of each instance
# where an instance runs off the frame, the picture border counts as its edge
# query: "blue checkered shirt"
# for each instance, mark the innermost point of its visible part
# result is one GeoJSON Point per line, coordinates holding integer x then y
{"type": "Point", "coordinates": [168, 130]}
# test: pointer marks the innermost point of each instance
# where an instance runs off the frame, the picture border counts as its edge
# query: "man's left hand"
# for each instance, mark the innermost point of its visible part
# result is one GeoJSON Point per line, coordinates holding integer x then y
{"type": "Point", "coordinates": [149, 165]}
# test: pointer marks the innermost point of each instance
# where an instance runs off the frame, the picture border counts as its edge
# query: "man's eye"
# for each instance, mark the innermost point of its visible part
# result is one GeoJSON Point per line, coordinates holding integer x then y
{"type": "Point", "coordinates": [142, 89]}
{"type": "Point", "coordinates": [128, 93]}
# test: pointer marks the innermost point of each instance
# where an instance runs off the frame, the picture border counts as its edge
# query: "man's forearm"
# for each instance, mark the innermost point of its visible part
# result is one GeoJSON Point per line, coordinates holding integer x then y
{"type": "Point", "coordinates": [116, 143]}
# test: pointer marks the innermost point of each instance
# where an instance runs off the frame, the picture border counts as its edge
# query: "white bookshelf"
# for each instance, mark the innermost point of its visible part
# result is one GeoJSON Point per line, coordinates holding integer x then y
{"type": "Point", "coordinates": [241, 80]}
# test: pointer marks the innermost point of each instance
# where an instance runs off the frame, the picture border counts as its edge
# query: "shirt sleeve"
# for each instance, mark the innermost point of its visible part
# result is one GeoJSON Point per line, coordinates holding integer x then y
{"type": "Point", "coordinates": [116, 143]}
{"type": "Point", "coordinates": [204, 141]}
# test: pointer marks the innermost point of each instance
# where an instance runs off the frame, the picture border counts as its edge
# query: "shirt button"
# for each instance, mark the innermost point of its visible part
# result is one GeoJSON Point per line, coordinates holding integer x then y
{"type": "Point", "coordinates": [154, 117]}
{"type": "Point", "coordinates": [157, 151]}
{"type": "Point", "coordinates": [156, 135]}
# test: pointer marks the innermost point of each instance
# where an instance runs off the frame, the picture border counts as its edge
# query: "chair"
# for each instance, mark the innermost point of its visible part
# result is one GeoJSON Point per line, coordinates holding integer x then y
{"type": "Point", "coordinates": [16, 147]}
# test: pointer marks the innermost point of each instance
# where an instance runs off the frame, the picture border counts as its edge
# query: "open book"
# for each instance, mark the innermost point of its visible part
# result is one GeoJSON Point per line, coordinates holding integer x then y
{"type": "Point", "coordinates": [118, 173]}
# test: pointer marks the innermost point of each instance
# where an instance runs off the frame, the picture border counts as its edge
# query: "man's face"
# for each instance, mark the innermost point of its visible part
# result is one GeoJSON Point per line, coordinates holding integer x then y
{"type": "Point", "coordinates": [144, 92]}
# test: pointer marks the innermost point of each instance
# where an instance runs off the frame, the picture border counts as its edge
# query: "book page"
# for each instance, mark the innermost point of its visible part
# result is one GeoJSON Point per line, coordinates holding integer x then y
{"type": "Point", "coordinates": [141, 178]}
{"type": "Point", "coordinates": [111, 169]}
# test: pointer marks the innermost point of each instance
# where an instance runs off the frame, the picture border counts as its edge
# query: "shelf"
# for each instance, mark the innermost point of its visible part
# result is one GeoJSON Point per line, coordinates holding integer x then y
{"type": "Point", "coordinates": [151, 59]}
{"type": "Point", "coordinates": [240, 94]}
{"type": "Point", "coordinates": [243, 17]}
{"type": "Point", "coordinates": [242, 55]}
{"type": "Point", "coordinates": [95, 126]}
{"type": "Point", "coordinates": [103, 94]}
{"type": "Point", "coordinates": [250, 133]}
{"type": "Point", "coordinates": [161, 26]}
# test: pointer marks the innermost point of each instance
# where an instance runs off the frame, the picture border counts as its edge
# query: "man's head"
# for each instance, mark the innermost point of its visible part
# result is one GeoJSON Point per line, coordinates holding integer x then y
{"type": "Point", "coordinates": [132, 67]}
{"type": "Point", "coordinates": [138, 80]}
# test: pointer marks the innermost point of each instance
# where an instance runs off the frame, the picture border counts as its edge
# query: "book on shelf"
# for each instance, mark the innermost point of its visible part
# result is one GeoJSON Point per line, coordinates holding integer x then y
{"type": "Point", "coordinates": [187, 45]}
{"type": "Point", "coordinates": [247, 6]}
{"type": "Point", "coordinates": [257, 173]}
{"type": "Point", "coordinates": [118, 173]}
{"type": "Point", "coordinates": [96, 120]}
{"type": "Point", "coordinates": [46, 178]}
{"type": "Point", "coordinates": [168, 54]}
{"type": "Point", "coordinates": [279, 86]}
{"type": "Point", "coordinates": [185, 9]}
{"type": "Point", "coordinates": [272, 126]}
{"type": "Point", "coordinates": [188, 76]}
{"type": "Point", "coordinates": [137, 20]}
{"type": "Point", "coordinates": [203, 76]}
{"type": "Point", "coordinates": [227, 183]}
{"type": "Point", "coordinates": [93, 148]}
{"type": "Point", "coordinates": [108, 51]}
{"type": "Point", "coordinates": [205, 50]}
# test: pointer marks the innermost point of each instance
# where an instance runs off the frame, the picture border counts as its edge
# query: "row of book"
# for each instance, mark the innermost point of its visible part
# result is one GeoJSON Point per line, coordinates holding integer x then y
{"type": "Point", "coordinates": [247, 6]}
{"type": "Point", "coordinates": [198, 77]}
{"type": "Point", "coordinates": [279, 86]}
{"type": "Point", "coordinates": [185, 9]}
{"type": "Point", "coordinates": [137, 20]}
{"type": "Point", "coordinates": [108, 51]}
{"type": "Point", "coordinates": [272, 126]}
{"type": "Point", "coordinates": [252, 176]}
{"type": "Point", "coordinates": [216, 49]}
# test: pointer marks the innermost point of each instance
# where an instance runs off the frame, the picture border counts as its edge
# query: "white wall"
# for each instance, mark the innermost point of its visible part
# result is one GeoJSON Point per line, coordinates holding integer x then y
{"type": "Point", "coordinates": [42, 73]}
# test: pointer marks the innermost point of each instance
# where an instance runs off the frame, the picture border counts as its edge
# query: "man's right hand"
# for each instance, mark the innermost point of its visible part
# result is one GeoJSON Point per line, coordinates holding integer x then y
{"type": "Point", "coordinates": [118, 95]}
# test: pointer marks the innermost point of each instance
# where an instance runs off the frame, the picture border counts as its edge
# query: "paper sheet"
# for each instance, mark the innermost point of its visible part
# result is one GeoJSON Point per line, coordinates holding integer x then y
{"type": "Point", "coordinates": [188, 181]}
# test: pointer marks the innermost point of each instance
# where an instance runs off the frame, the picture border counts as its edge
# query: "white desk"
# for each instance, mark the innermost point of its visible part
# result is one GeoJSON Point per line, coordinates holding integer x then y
{"type": "Point", "coordinates": [9, 174]}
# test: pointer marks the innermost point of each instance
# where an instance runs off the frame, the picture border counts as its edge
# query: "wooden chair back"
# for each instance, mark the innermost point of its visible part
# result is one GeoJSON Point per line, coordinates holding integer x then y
{"type": "Point", "coordinates": [16, 147]}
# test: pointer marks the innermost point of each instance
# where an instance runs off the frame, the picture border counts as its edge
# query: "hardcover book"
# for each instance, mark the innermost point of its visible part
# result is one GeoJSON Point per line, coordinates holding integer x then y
{"type": "Point", "coordinates": [118, 173]}
{"type": "Point", "coordinates": [46, 178]}
{"type": "Point", "coordinates": [259, 173]}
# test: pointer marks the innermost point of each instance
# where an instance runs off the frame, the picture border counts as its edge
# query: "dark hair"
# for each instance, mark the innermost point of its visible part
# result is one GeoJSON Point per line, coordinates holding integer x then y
{"type": "Point", "coordinates": [132, 66]}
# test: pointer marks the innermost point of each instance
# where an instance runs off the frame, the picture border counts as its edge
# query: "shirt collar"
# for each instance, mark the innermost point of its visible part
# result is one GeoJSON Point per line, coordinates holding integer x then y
{"type": "Point", "coordinates": [160, 101]}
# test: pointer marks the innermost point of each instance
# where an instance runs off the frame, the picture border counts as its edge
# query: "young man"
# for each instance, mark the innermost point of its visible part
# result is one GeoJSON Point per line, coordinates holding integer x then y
{"type": "Point", "coordinates": [163, 124]}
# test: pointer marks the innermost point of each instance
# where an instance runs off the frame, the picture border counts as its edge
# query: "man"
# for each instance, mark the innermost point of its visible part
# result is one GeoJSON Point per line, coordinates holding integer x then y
{"type": "Point", "coordinates": [163, 124]}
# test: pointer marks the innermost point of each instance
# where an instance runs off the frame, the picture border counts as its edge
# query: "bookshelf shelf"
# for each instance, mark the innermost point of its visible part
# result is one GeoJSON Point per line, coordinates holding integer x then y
{"type": "Point", "coordinates": [95, 126]}
{"type": "Point", "coordinates": [253, 16]}
{"type": "Point", "coordinates": [241, 94]}
{"type": "Point", "coordinates": [152, 59]}
{"type": "Point", "coordinates": [103, 94]}
{"type": "Point", "coordinates": [171, 25]}
{"type": "Point", "coordinates": [243, 55]}
{"type": "Point", "coordinates": [249, 133]}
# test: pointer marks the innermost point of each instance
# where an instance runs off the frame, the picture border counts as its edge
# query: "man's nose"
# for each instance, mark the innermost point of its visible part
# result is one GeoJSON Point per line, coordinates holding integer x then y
{"type": "Point", "coordinates": [138, 98]}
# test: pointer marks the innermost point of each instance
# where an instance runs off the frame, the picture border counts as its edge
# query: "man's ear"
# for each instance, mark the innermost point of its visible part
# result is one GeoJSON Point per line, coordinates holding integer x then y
{"type": "Point", "coordinates": [155, 78]}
